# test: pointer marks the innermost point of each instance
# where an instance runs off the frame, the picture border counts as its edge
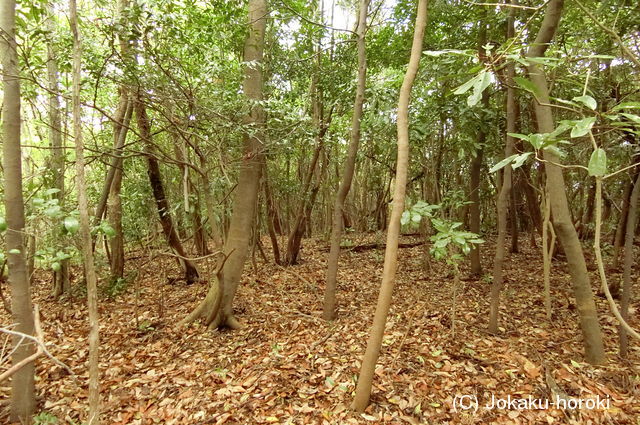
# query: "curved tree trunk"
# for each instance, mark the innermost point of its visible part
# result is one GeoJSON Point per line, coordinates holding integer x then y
{"type": "Point", "coordinates": [23, 400]}
{"type": "Point", "coordinates": [349, 168]}
{"type": "Point", "coordinates": [217, 308]}
{"type": "Point", "coordinates": [155, 179]}
{"type": "Point", "coordinates": [363, 388]}
{"type": "Point", "coordinates": [566, 232]}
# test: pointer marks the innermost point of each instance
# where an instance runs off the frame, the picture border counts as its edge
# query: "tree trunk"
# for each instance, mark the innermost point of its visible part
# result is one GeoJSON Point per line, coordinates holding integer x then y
{"type": "Point", "coordinates": [349, 168]}
{"type": "Point", "coordinates": [85, 231]}
{"type": "Point", "coordinates": [217, 308]}
{"type": "Point", "coordinates": [162, 203]}
{"type": "Point", "coordinates": [23, 400]}
{"type": "Point", "coordinates": [620, 234]}
{"type": "Point", "coordinates": [61, 283]}
{"type": "Point", "coordinates": [632, 221]}
{"type": "Point", "coordinates": [271, 216]}
{"type": "Point", "coordinates": [566, 232]}
{"type": "Point", "coordinates": [363, 388]}
{"type": "Point", "coordinates": [474, 188]}
{"type": "Point", "coordinates": [503, 197]}
{"type": "Point", "coordinates": [123, 119]}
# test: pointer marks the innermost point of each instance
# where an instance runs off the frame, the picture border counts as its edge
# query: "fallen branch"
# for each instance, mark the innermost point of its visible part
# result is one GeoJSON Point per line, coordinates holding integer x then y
{"type": "Point", "coordinates": [41, 347]}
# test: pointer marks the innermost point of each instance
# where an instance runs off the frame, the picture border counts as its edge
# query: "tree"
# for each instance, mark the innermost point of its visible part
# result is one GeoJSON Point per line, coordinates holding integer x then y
{"type": "Point", "coordinates": [23, 400]}
{"type": "Point", "coordinates": [363, 388]}
{"type": "Point", "coordinates": [85, 230]}
{"type": "Point", "coordinates": [217, 307]}
{"type": "Point", "coordinates": [555, 186]}
{"type": "Point", "coordinates": [349, 168]}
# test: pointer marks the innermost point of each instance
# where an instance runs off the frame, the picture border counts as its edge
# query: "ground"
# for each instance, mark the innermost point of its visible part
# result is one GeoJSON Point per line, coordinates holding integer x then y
{"type": "Point", "coordinates": [289, 366]}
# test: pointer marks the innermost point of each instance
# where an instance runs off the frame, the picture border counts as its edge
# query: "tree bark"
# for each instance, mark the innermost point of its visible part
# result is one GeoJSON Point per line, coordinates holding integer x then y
{"type": "Point", "coordinates": [61, 283]}
{"type": "Point", "coordinates": [85, 231]}
{"type": "Point", "coordinates": [632, 221]}
{"type": "Point", "coordinates": [217, 308]}
{"type": "Point", "coordinates": [271, 216]}
{"type": "Point", "coordinates": [363, 388]}
{"type": "Point", "coordinates": [349, 168]}
{"type": "Point", "coordinates": [162, 203]}
{"type": "Point", "coordinates": [474, 188]}
{"type": "Point", "coordinates": [503, 197]}
{"type": "Point", "coordinates": [23, 400]}
{"type": "Point", "coordinates": [566, 232]}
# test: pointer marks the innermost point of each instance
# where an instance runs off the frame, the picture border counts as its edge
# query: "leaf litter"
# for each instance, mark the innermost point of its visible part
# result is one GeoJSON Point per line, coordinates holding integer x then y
{"type": "Point", "coordinates": [288, 366]}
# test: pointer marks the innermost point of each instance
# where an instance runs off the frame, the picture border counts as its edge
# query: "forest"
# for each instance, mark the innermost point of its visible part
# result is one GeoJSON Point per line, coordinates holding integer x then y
{"type": "Point", "coordinates": [319, 212]}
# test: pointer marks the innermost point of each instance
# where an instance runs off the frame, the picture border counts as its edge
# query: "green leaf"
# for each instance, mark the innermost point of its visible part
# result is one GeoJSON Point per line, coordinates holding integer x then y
{"type": "Point", "coordinates": [3, 224]}
{"type": "Point", "coordinates": [626, 105]}
{"type": "Point", "coordinates": [520, 159]}
{"type": "Point", "coordinates": [598, 163]}
{"type": "Point", "coordinates": [107, 229]}
{"type": "Point", "coordinates": [582, 127]}
{"type": "Point", "coordinates": [519, 136]}
{"type": "Point", "coordinates": [14, 251]}
{"type": "Point", "coordinates": [587, 101]}
{"type": "Point", "coordinates": [632, 117]}
{"type": "Point", "coordinates": [406, 216]}
{"type": "Point", "coordinates": [466, 86]}
{"type": "Point", "coordinates": [536, 140]}
{"type": "Point", "coordinates": [527, 85]}
{"type": "Point", "coordinates": [71, 224]}
{"type": "Point", "coordinates": [479, 87]}
{"type": "Point", "coordinates": [55, 266]}
{"type": "Point", "coordinates": [503, 163]}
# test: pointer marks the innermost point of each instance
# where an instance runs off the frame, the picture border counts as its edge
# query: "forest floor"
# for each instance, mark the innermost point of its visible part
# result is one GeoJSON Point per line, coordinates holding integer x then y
{"type": "Point", "coordinates": [288, 366]}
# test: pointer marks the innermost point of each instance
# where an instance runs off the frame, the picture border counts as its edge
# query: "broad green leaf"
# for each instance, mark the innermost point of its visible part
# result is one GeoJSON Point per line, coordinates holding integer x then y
{"type": "Point", "coordinates": [536, 140]}
{"type": "Point", "coordinates": [527, 85]}
{"type": "Point", "coordinates": [406, 216]}
{"type": "Point", "coordinates": [71, 224]}
{"type": "Point", "coordinates": [598, 163]}
{"type": "Point", "coordinates": [14, 251]}
{"type": "Point", "coordinates": [466, 86]}
{"type": "Point", "coordinates": [55, 266]}
{"type": "Point", "coordinates": [626, 105]}
{"type": "Point", "coordinates": [555, 150]}
{"type": "Point", "coordinates": [520, 159]}
{"type": "Point", "coordinates": [587, 101]}
{"type": "Point", "coordinates": [107, 229]}
{"type": "Point", "coordinates": [3, 224]}
{"type": "Point", "coordinates": [632, 117]}
{"type": "Point", "coordinates": [582, 127]}
{"type": "Point", "coordinates": [503, 163]}
{"type": "Point", "coordinates": [519, 136]}
{"type": "Point", "coordinates": [479, 87]}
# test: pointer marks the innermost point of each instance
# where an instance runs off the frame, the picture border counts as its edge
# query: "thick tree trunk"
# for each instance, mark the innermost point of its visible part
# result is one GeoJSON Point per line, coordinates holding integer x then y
{"type": "Point", "coordinates": [363, 388]}
{"type": "Point", "coordinates": [23, 400]}
{"type": "Point", "coordinates": [349, 168]}
{"type": "Point", "coordinates": [85, 231]}
{"type": "Point", "coordinates": [162, 203]}
{"type": "Point", "coordinates": [566, 232]}
{"type": "Point", "coordinates": [503, 197]}
{"type": "Point", "coordinates": [632, 221]}
{"type": "Point", "coordinates": [217, 308]}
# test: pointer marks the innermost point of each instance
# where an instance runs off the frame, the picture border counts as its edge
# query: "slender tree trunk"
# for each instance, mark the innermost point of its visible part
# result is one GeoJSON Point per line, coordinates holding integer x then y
{"type": "Point", "coordinates": [61, 283]}
{"type": "Point", "coordinates": [474, 188]}
{"type": "Point", "coordinates": [116, 262]}
{"type": "Point", "coordinates": [513, 215]}
{"type": "Point", "coordinates": [162, 203]}
{"type": "Point", "coordinates": [217, 308]}
{"type": "Point", "coordinates": [363, 388]}
{"type": "Point", "coordinates": [85, 231]}
{"type": "Point", "coordinates": [503, 197]}
{"type": "Point", "coordinates": [632, 221]}
{"type": "Point", "coordinates": [620, 234]}
{"type": "Point", "coordinates": [23, 400]}
{"type": "Point", "coordinates": [566, 232]}
{"type": "Point", "coordinates": [349, 168]}
{"type": "Point", "coordinates": [271, 216]}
